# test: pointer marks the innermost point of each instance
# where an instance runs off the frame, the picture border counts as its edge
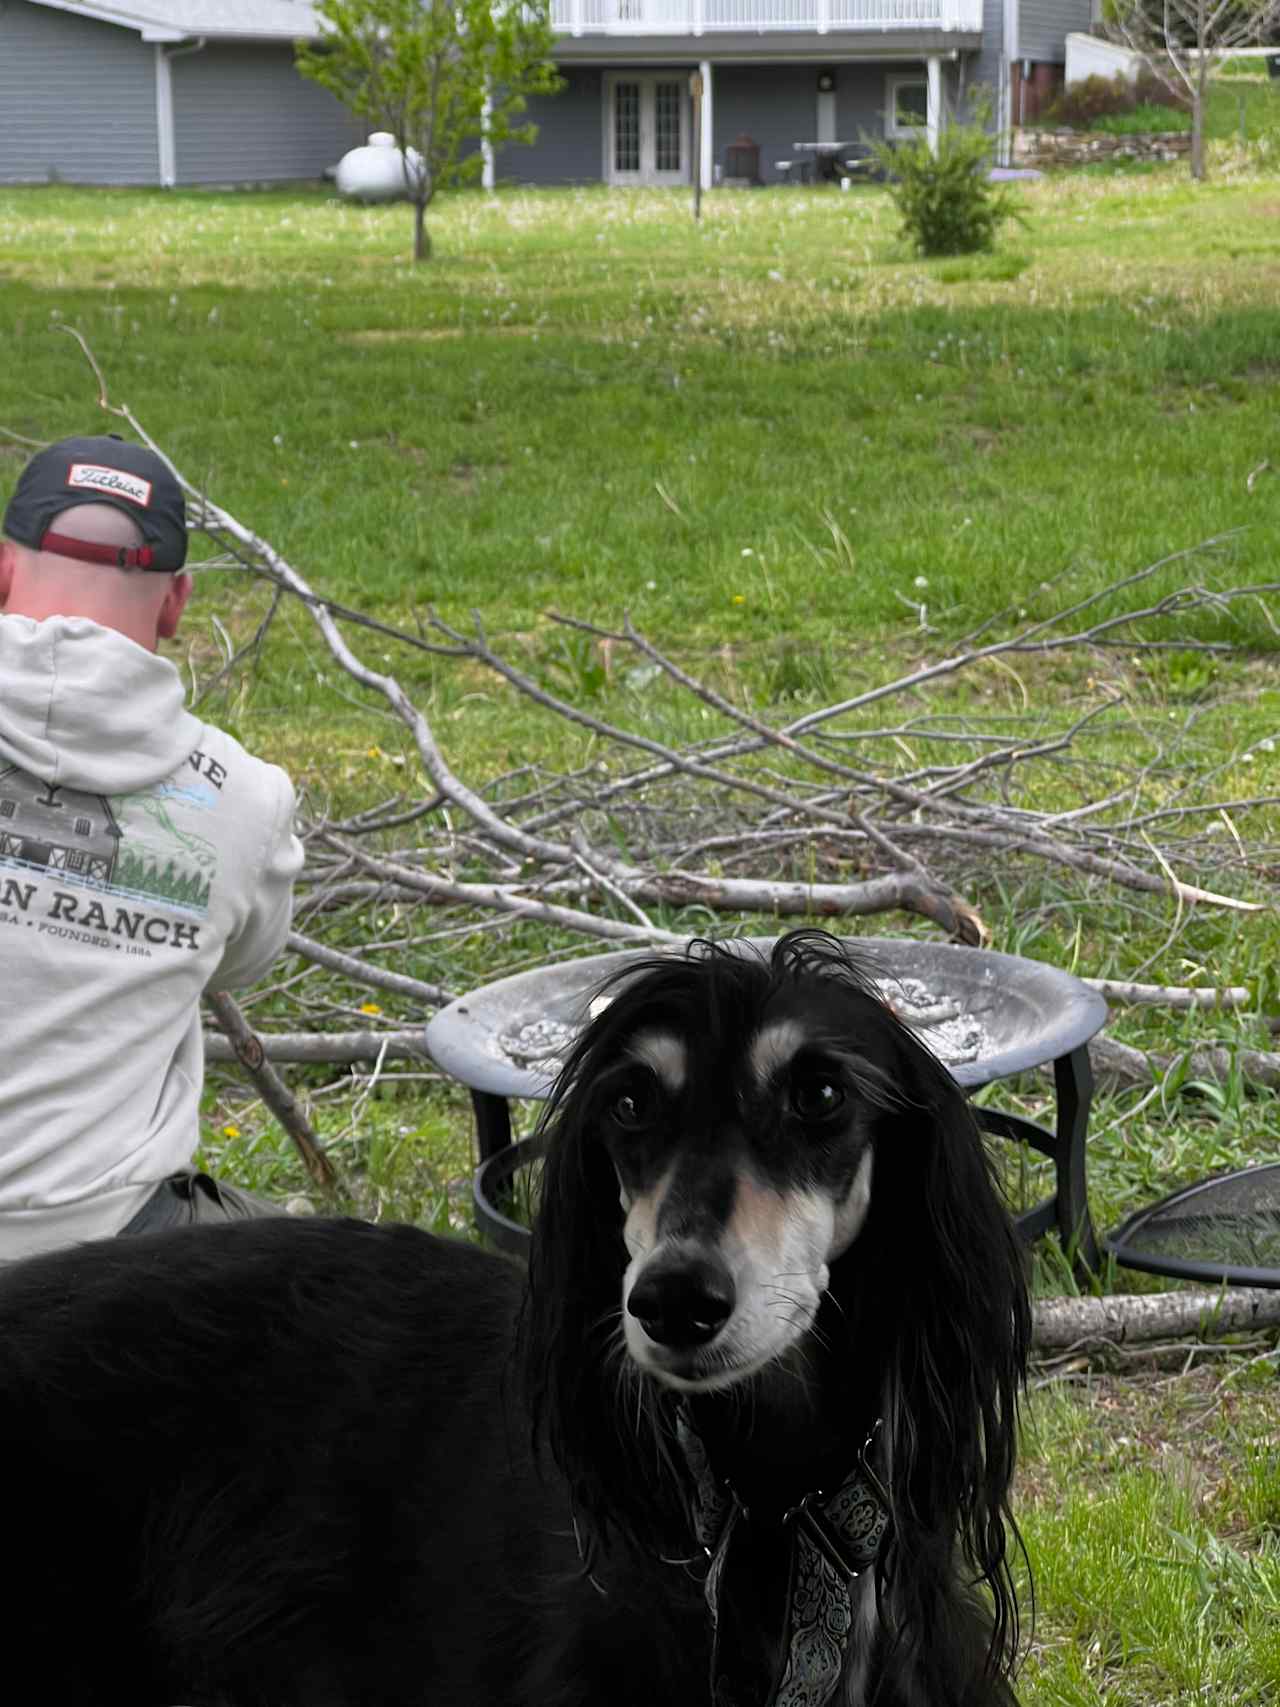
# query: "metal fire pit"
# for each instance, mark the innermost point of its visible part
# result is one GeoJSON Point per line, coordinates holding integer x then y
{"type": "Point", "coordinates": [988, 1016]}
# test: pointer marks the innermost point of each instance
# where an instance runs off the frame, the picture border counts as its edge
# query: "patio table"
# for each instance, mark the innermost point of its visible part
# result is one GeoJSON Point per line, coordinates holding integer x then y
{"type": "Point", "coordinates": [828, 158]}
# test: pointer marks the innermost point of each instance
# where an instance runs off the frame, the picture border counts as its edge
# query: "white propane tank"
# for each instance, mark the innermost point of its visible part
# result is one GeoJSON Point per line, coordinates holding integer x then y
{"type": "Point", "coordinates": [377, 172]}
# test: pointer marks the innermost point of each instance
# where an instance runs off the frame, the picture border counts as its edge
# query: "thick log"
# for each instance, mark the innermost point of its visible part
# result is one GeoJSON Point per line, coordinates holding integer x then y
{"type": "Point", "coordinates": [1063, 1324]}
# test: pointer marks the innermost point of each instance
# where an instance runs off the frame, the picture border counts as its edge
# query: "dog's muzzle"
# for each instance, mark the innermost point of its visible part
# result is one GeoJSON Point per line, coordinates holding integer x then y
{"type": "Point", "coordinates": [682, 1302]}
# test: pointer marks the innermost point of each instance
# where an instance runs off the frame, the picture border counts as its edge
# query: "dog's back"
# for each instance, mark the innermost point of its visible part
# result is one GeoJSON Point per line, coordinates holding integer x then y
{"type": "Point", "coordinates": [280, 1462]}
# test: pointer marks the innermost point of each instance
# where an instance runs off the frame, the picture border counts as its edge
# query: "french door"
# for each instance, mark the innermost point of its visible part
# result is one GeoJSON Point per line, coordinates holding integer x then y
{"type": "Point", "coordinates": [646, 129]}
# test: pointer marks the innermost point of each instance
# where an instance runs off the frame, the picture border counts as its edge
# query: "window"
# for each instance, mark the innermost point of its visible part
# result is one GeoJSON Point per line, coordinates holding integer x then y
{"type": "Point", "coordinates": [626, 127]}
{"type": "Point", "coordinates": [7, 808]}
{"type": "Point", "coordinates": [668, 99]}
{"type": "Point", "coordinates": [906, 106]}
{"type": "Point", "coordinates": [84, 827]}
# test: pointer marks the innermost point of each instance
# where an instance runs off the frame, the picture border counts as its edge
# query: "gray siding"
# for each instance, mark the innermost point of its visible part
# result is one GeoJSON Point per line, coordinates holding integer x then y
{"type": "Point", "coordinates": [984, 71]}
{"type": "Point", "coordinates": [242, 114]}
{"type": "Point", "coordinates": [775, 105]}
{"type": "Point", "coordinates": [570, 145]}
{"type": "Point", "coordinates": [1043, 26]}
{"type": "Point", "coordinates": [77, 100]}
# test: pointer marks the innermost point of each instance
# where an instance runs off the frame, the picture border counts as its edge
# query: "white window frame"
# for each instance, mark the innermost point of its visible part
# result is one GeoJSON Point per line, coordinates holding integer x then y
{"type": "Point", "coordinates": [895, 81]}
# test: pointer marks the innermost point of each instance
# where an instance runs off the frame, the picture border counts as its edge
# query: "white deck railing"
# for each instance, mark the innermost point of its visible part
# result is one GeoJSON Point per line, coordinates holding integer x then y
{"type": "Point", "coordinates": [701, 17]}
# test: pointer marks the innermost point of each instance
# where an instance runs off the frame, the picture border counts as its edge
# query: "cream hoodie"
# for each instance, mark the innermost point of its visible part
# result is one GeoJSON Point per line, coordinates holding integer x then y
{"type": "Point", "coordinates": [144, 857]}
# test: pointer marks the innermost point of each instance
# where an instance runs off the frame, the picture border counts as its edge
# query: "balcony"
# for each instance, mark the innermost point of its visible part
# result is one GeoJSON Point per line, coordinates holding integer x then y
{"type": "Point", "coordinates": [760, 17]}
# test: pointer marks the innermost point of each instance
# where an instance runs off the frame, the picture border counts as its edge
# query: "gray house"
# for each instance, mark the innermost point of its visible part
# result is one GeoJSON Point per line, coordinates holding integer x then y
{"type": "Point", "coordinates": [777, 72]}
{"type": "Point", "coordinates": [162, 92]}
{"type": "Point", "coordinates": [204, 91]}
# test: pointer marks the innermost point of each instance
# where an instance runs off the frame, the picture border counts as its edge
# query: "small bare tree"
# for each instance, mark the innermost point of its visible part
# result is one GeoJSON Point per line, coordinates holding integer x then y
{"type": "Point", "coordinates": [437, 74]}
{"type": "Point", "coordinates": [1184, 42]}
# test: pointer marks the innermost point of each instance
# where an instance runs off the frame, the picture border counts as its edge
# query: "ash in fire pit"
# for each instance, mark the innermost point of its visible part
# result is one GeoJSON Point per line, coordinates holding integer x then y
{"type": "Point", "coordinates": [542, 1043]}
{"type": "Point", "coordinates": [952, 1035]}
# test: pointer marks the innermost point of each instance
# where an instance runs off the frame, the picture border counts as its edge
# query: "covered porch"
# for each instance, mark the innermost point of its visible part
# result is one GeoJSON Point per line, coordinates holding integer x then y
{"type": "Point", "coordinates": [777, 71]}
{"type": "Point", "coordinates": [625, 116]}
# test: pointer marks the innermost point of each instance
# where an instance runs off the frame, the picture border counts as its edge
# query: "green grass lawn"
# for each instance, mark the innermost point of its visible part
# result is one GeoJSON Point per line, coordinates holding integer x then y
{"type": "Point", "coordinates": [773, 437]}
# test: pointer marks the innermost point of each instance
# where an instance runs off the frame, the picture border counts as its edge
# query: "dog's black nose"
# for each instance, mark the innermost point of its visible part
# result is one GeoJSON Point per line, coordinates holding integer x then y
{"type": "Point", "coordinates": [683, 1305]}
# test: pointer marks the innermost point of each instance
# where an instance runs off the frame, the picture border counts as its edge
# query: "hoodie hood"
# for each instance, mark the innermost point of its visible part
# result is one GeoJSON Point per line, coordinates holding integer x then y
{"type": "Point", "coordinates": [84, 707]}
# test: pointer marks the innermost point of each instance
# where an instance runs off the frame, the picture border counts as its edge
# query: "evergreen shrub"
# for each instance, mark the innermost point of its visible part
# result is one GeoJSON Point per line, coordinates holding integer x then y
{"type": "Point", "coordinates": [948, 203]}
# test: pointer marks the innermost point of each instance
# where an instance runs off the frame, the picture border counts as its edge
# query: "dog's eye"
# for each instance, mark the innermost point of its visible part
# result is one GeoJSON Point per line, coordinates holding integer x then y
{"type": "Point", "coordinates": [636, 1105]}
{"type": "Point", "coordinates": [815, 1094]}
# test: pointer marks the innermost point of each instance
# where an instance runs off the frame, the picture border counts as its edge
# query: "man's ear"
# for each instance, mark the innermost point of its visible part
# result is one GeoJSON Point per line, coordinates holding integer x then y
{"type": "Point", "coordinates": [175, 602]}
{"type": "Point", "coordinates": [6, 571]}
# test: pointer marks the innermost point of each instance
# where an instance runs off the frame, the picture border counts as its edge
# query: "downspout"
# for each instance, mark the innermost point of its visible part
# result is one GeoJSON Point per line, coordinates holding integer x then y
{"type": "Point", "coordinates": [933, 106]}
{"type": "Point", "coordinates": [165, 147]}
{"type": "Point", "coordinates": [705, 164]}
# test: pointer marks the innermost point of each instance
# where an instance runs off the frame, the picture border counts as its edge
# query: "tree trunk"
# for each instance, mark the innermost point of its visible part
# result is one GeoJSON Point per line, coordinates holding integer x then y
{"type": "Point", "coordinates": [1197, 116]}
{"type": "Point", "coordinates": [421, 236]}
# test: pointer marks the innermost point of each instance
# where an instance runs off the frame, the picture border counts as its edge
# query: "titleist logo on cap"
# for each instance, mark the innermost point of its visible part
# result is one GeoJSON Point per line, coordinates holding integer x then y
{"type": "Point", "coordinates": [95, 477]}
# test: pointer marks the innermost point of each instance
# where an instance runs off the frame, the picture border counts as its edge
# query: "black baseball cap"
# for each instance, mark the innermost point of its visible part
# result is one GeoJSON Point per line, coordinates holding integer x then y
{"type": "Point", "coordinates": [104, 470]}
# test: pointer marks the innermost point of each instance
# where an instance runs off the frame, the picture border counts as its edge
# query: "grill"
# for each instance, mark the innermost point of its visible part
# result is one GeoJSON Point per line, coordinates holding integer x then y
{"type": "Point", "coordinates": [742, 161]}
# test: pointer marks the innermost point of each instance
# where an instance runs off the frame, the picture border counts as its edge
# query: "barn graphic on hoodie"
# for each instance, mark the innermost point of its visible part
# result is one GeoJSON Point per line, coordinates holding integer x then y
{"type": "Point", "coordinates": [131, 847]}
{"type": "Point", "coordinates": [60, 829]}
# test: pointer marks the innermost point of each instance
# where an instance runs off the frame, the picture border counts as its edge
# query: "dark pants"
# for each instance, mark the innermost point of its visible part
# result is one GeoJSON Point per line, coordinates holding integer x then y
{"type": "Point", "coordinates": [188, 1197]}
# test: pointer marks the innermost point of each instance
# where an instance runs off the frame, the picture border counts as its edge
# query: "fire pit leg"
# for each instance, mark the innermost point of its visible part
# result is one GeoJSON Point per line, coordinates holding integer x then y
{"type": "Point", "coordinates": [1067, 1211]}
{"type": "Point", "coordinates": [1073, 1077]}
{"type": "Point", "coordinates": [493, 1124]}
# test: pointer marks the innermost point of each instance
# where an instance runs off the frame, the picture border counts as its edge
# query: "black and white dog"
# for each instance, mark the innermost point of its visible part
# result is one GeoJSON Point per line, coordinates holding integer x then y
{"type": "Point", "coordinates": [743, 1435]}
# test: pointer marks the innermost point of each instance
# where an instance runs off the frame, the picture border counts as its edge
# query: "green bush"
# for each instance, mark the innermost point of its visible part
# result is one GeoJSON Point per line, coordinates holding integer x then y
{"type": "Point", "coordinates": [1081, 106]}
{"type": "Point", "coordinates": [949, 205]}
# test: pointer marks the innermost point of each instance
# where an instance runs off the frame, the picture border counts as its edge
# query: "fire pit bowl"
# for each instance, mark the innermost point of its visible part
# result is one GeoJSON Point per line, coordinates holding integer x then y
{"type": "Point", "coordinates": [986, 1016]}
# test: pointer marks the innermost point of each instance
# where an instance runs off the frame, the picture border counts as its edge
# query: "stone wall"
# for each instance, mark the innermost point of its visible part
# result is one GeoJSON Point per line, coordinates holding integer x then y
{"type": "Point", "coordinates": [1082, 147]}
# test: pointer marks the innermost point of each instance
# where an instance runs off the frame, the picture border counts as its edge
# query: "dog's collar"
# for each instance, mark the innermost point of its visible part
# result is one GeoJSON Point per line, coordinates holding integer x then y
{"type": "Point", "coordinates": [831, 1540]}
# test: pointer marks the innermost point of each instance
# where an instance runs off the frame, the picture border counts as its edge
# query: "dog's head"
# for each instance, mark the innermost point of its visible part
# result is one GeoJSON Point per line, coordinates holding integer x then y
{"type": "Point", "coordinates": [736, 1100]}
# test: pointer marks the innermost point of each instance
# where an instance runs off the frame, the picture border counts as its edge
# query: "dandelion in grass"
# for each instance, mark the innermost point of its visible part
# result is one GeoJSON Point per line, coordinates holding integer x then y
{"type": "Point", "coordinates": [230, 1131]}
{"type": "Point", "coordinates": [370, 1008]}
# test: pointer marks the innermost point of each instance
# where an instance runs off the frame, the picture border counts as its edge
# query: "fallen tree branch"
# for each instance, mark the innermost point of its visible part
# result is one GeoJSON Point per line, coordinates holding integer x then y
{"type": "Point", "coordinates": [338, 1048]}
{"type": "Point", "coordinates": [249, 1052]}
{"type": "Point", "coordinates": [1064, 1324]}
{"type": "Point", "coordinates": [361, 972]}
{"type": "Point", "coordinates": [1119, 1066]}
{"type": "Point", "coordinates": [1169, 996]}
